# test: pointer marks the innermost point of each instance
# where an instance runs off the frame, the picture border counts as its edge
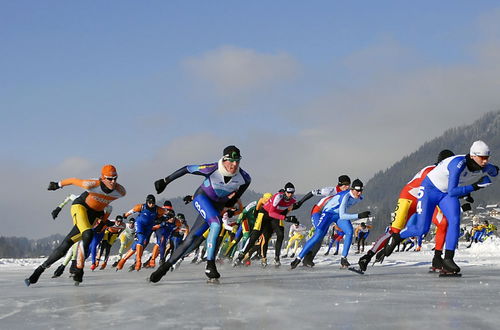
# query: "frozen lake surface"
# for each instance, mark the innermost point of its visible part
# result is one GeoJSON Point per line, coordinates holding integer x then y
{"type": "Point", "coordinates": [399, 294]}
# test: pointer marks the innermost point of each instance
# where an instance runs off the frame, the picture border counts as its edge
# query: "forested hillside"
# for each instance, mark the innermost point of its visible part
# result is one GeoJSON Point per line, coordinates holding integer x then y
{"type": "Point", "coordinates": [382, 190]}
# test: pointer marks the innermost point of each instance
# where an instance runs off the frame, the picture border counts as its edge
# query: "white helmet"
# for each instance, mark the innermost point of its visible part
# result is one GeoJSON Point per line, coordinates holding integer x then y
{"type": "Point", "coordinates": [479, 148]}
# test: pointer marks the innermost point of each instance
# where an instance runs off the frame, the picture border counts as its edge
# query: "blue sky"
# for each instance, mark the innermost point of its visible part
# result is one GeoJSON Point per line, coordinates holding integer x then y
{"type": "Point", "coordinates": [308, 91]}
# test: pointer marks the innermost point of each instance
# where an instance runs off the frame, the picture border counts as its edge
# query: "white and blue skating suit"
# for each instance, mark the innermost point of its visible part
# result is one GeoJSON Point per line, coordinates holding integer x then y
{"type": "Point", "coordinates": [443, 186]}
{"type": "Point", "coordinates": [209, 200]}
{"type": "Point", "coordinates": [334, 211]}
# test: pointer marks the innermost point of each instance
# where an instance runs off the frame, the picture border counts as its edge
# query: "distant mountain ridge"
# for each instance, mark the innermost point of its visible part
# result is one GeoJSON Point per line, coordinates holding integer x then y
{"type": "Point", "coordinates": [383, 189]}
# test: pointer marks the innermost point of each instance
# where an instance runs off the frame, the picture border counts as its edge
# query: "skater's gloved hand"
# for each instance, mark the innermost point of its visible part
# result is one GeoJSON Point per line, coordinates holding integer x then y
{"type": "Point", "coordinates": [364, 214]}
{"type": "Point", "coordinates": [466, 207]}
{"type": "Point", "coordinates": [469, 199]}
{"type": "Point", "coordinates": [187, 199]}
{"type": "Point", "coordinates": [53, 185]}
{"type": "Point", "coordinates": [484, 182]}
{"type": "Point", "coordinates": [292, 219]}
{"type": "Point", "coordinates": [55, 212]}
{"type": "Point", "coordinates": [493, 170]}
{"type": "Point", "coordinates": [160, 185]}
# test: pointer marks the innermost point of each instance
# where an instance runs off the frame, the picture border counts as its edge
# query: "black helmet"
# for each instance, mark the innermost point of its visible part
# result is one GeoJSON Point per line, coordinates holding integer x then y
{"type": "Point", "coordinates": [150, 199]}
{"type": "Point", "coordinates": [289, 187]}
{"type": "Point", "coordinates": [181, 217]}
{"type": "Point", "coordinates": [357, 185]}
{"type": "Point", "coordinates": [167, 203]}
{"type": "Point", "coordinates": [344, 180]}
{"type": "Point", "coordinates": [231, 153]}
{"type": "Point", "coordinates": [443, 154]}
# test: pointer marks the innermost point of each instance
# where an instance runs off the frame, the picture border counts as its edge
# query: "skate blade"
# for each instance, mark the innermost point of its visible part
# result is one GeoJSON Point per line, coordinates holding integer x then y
{"type": "Point", "coordinates": [77, 283]}
{"type": "Point", "coordinates": [434, 270]}
{"type": "Point", "coordinates": [450, 275]}
{"type": "Point", "coordinates": [213, 281]}
{"type": "Point", "coordinates": [27, 281]}
{"type": "Point", "coordinates": [55, 276]}
{"type": "Point", "coordinates": [356, 270]}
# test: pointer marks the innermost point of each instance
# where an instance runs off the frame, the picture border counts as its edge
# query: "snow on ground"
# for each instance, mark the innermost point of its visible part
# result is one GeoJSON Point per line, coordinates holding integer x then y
{"type": "Point", "coordinates": [399, 294]}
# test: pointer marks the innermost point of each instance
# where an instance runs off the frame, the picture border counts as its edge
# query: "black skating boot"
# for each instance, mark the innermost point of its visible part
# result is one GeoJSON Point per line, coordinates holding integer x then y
{"type": "Point", "coordinates": [115, 264]}
{"type": "Point", "coordinates": [211, 269]}
{"type": "Point", "coordinates": [36, 275]}
{"type": "Point", "coordinates": [365, 260]}
{"type": "Point", "coordinates": [78, 276]}
{"type": "Point", "coordinates": [160, 272]}
{"type": "Point", "coordinates": [393, 242]}
{"type": "Point", "coordinates": [449, 266]}
{"type": "Point", "coordinates": [72, 268]}
{"type": "Point", "coordinates": [277, 262]}
{"type": "Point", "coordinates": [307, 262]}
{"type": "Point", "coordinates": [59, 271]}
{"type": "Point", "coordinates": [437, 261]}
{"type": "Point", "coordinates": [308, 259]}
{"type": "Point", "coordinates": [344, 263]}
{"type": "Point", "coordinates": [295, 263]}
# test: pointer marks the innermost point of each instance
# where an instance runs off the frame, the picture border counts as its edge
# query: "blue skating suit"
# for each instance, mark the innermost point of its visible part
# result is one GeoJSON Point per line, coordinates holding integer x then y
{"type": "Point", "coordinates": [442, 187]}
{"type": "Point", "coordinates": [334, 211]}
{"type": "Point", "coordinates": [144, 225]}
{"type": "Point", "coordinates": [163, 234]}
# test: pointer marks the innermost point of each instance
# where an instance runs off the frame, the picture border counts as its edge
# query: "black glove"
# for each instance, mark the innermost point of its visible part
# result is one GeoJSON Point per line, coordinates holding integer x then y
{"type": "Point", "coordinates": [230, 213]}
{"type": "Point", "coordinates": [187, 199]}
{"type": "Point", "coordinates": [364, 214]}
{"type": "Point", "coordinates": [469, 199]}
{"type": "Point", "coordinates": [481, 183]}
{"type": "Point", "coordinates": [160, 185]}
{"type": "Point", "coordinates": [55, 212]}
{"type": "Point", "coordinates": [53, 185]}
{"type": "Point", "coordinates": [466, 207]}
{"type": "Point", "coordinates": [292, 219]}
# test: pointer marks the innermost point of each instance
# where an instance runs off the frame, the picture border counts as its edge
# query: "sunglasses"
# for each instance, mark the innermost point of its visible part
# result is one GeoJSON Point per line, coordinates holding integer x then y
{"type": "Point", "coordinates": [111, 178]}
{"type": "Point", "coordinates": [231, 159]}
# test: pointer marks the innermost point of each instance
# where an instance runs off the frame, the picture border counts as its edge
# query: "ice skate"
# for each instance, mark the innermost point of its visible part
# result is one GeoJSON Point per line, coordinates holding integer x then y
{"type": "Point", "coordinates": [263, 262]}
{"type": "Point", "coordinates": [307, 262]}
{"type": "Point", "coordinates": [35, 276]}
{"type": "Point", "coordinates": [295, 263]}
{"type": "Point", "coordinates": [437, 263]}
{"type": "Point", "coordinates": [365, 260]}
{"type": "Point", "coordinates": [59, 271]}
{"type": "Point", "coordinates": [160, 272]}
{"type": "Point", "coordinates": [344, 263]}
{"type": "Point", "coordinates": [78, 276]}
{"type": "Point", "coordinates": [277, 262]}
{"type": "Point", "coordinates": [211, 270]}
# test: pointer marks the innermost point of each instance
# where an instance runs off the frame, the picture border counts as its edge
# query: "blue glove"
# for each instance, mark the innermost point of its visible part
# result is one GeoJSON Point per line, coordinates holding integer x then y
{"type": "Point", "coordinates": [492, 170]}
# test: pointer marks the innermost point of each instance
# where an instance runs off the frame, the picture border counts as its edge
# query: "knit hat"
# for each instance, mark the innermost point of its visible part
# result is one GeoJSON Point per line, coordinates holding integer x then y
{"type": "Point", "coordinates": [479, 148]}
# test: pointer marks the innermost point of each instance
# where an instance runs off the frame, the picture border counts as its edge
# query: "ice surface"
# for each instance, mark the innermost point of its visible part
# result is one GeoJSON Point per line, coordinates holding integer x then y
{"type": "Point", "coordinates": [399, 294]}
